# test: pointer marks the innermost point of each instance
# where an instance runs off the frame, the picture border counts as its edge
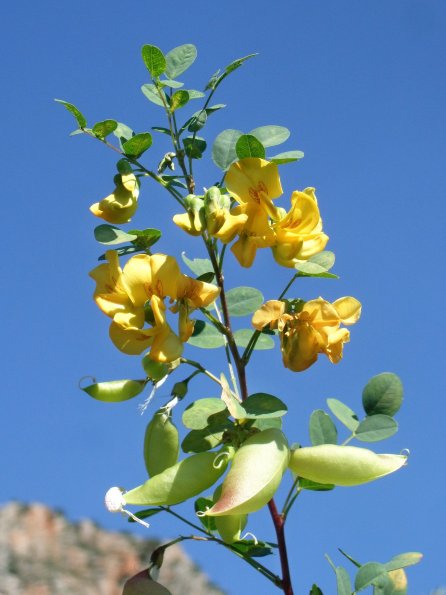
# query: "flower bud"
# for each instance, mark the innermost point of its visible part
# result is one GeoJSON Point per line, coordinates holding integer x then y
{"type": "Point", "coordinates": [343, 465]}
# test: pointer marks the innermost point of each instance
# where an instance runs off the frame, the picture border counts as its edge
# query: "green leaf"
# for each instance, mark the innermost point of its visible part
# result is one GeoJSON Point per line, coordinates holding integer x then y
{"type": "Point", "coordinates": [161, 129]}
{"type": "Point", "coordinates": [123, 251]}
{"type": "Point", "coordinates": [253, 549]}
{"type": "Point", "coordinates": [383, 394]}
{"type": "Point", "coordinates": [319, 275]}
{"type": "Point", "coordinates": [286, 157]}
{"type": "Point", "coordinates": [315, 590]}
{"type": "Point", "coordinates": [202, 440]}
{"type": "Point", "coordinates": [194, 94]}
{"type": "Point", "coordinates": [367, 574]}
{"type": "Point", "coordinates": [383, 585]}
{"type": "Point", "coordinates": [198, 121]}
{"type": "Point", "coordinates": [270, 136]}
{"type": "Point", "coordinates": [248, 146]}
{"type": "Point", "coordinates": [145, 238]}
{"type": "Point", "coordinates": [154, 60]}
{"type": "Point", "coordinates": [317, 264]}
{"type": "Point", "coordinates": [352, 560]}
{"type": "Point", "coordinates": [180, 59]}
{"type": "Point", "coordinates": [153, 94]}
{"type": "Point", "coordinates": [322, 428]}
{"type": "Point", "coordinates": [201, 505]}
{"type": "Point", "coordinates": [237, 63]}
{"type": "Point", "coordinates": [170, 83]}
{"type": "Point", "coordinates": [403, 560]}
{"type": "Point", "coordinates": [204, 413]}
{"type": "Point", "coordinates": [199, 266]}
{"type": "Point", "coordinates": [209, 338]}
{"type": "Point", "coordinates": [344, 414]}
{"type": "Point", "coordinates": [145, 514]}
{"type": "Point", "coordinates": [123, 133]}
{"type": "Point", "coordinates": [124, 167]}
{"type": "Point", "coordinates": [265, 423]}
{"type": "Point", "coordinates": [135, 146]}
{"type": "Point", "coordinates": [375, 428]}
{"type": "Point", "coordinates": [103, 129]}
{"type": "Point", "coordinates": [263, 405]}
{"type": "Point", "coordinates": [242, 301]}
{"type": "Point", "coordinates": [178, 99]}
{"type": "Point", "coordinates": [343, 581]}
{"type": "Point", "coordinates": [314, 486]}
{"type": "Point", "coordinates": [80, 118]}
{"type": "Point", "coordinates": [115, 391]}
{"type": "Point", "coordinates": [109, 235]}
{"type": "Point", "coordinates": [223, 149]}
{"type": "Point", "coordinates": [194, 147]}
{"type": "Point", "coordinates": [243, 336]}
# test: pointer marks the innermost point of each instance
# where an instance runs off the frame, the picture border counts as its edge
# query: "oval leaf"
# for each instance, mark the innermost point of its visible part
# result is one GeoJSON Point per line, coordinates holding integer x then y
{"type": "Point", "coordinates": [223, 149]}
{"type": "Point", "coordinates": [154, 60]}
{"type": "Point", "coordinates": [248, 146]}
{"type": "Point", "coordinates": [80, 118]}
{"type": "Point", "coordinates": [180, 59]}
{"type": "Point", "coordinates": [209, 338]}
{"type": "Point", "coordinates": [202, 413]}
{"type": "Point", "coordinates": [287, 157]}
{"type": "Point", "coordinates": [343, 581]}
{"type": "Point", "coordinates": [178, 99]}
{"type": "Point", "coordinates": [109, 235]}
{"type": "Point", "coordinates": [367, 574]}
{"type": "Point", "coordinates": [202, 440]}
{"type": "Point", "coordinates": [153, 94]}
{"type": "Point", "coordinates": [322, 428]}
{"type": "Point", "coordinates": [243, 336]}
{"type": "Point", "coordinates": [103, 129]}
{"type": "Point", "coordinates": [317, 264]}
{"type": "Point", "coordinates": [115, 391]}
{"type": "Point", "coordinates": [383, 394]}
{"type": "Point", "coordinates": [242, 301]}
{"type": "Point", "coordinates": [199, 266]}
{"type": "Point", "coordinates": [403, 560]}
{"type": "Point", "coordinates": [270, 136]}
{"type": "Point", "coordinates": [376, 428]}
{"type": "Point", "coordinates": [135, 146]}
{"type": "Point", "coordinates": [344, 414]}
{"type": "Point", "coordinates": [263, 405]}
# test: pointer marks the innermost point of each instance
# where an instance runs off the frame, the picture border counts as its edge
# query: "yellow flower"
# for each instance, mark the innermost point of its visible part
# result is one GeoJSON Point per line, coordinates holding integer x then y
{"type": "Point", "coordinates": [220, 222]}
{"type": "Point", "coordinates": [125, 295]}
{"type": "Point", "coordinates": [121, 204]}
{"type": "Point", "coordinates": [254, 183]}
{"type": "Point", "coordinates": [192, 221]}
{"type": "Point", "coordinates": [314, 329]}
{"type": "Point", "coordinates": [299, 232]}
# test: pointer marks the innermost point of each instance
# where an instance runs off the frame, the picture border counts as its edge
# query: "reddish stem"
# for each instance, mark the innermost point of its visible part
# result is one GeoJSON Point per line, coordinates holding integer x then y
{"type": "Point", "coordinates": [279, 526]}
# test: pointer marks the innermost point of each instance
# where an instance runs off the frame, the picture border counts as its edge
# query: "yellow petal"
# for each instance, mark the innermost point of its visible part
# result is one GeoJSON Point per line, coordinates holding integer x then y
{"type": "Point", "coordinates": [349, 309]}
{"type": "Point", "coordinates": [254, 180]}
{"type": "Point", "coordinates": [335, 344]}
{"type": "Point", "coordinates": [244, 250]}
{"type": "Point", "coordinates": [121, 204]}
{"type": "Point", "coordinates": [189, 222]}
{"type": "Point", "coordinates": [300, 347]}
{"type": "Point", "coordinates": [167, 279]}
{"type": "Point", "coordinates": [166, 346]}
{"type": "Point", "coordinates": [129, 340]}
{"type": "Point", "coordinates": [268, 313]}
{"type": "Point", "coordinates": [227, 227]}
{"type": "Point", "coordinates": [137, 276]}
{"type": "Point", "coordinates": [110, 294]}
{"type": "Point", "coordinates": [198, 294]}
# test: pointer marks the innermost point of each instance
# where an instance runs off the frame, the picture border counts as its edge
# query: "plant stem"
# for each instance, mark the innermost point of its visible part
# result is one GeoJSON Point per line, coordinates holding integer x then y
{"type": "Point", "coordinates": [279, 526]}
{"type": "Point", "coordinates": [201, 369]}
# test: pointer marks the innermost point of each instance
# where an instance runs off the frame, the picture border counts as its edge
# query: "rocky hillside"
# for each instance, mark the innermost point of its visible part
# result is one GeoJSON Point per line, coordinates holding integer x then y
{"type": "Point", "coordinates": [42, 553]}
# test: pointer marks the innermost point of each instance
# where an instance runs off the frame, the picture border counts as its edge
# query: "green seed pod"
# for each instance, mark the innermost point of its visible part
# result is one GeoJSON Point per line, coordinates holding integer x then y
{"type": "Point", "coordinates": [343, 465]}
{"type": "Point", "coordinates": [115, 391]}
{"type": "Point", "coordinates": [184, 480]}
{"type": "Point", "coordinates": [142, 584]}
{"type": "Point", "coordinates": [154, 370]}
{"type": "Point", "coordinates": [161, 444]}
{"type": "Point", "coordinates": [229, 527]}
{"type": "Point", "coordinates": [255, 474]}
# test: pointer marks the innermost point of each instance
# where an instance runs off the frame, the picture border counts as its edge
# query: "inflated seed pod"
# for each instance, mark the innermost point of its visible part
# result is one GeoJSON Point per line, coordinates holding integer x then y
{"type": "Point", "coordinates": [343, 465]}
{"type": "Point", "coordinates": [255, 474]}
{"type": "Point", "coordinates": [142, 584]}
{"type": "Point", "coordinates": [161, 444]}
{"type": "Point", "coordinates": [184, 480]}
{"type": "Point", "coordinates": [229, 526]}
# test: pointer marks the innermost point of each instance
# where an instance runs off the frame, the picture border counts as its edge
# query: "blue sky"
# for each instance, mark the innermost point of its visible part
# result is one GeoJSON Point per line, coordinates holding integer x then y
{"type": "Point", "coordinates": [362, 88]}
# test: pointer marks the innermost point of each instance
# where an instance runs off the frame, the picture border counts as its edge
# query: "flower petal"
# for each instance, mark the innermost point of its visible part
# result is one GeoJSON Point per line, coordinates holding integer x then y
{"type": "Point", "coordinates": [349, 309]}
{"type": "Point", "coordinates": [268, 313]}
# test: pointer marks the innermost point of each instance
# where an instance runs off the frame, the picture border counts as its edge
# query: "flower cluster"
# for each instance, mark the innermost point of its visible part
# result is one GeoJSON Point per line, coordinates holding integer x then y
{"type": "Point", "coordinates": [135, 294]}
{"type": "Point", "coordinates": [314, 328]}
{"type": "Point", "coordinates": [254, 183]}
